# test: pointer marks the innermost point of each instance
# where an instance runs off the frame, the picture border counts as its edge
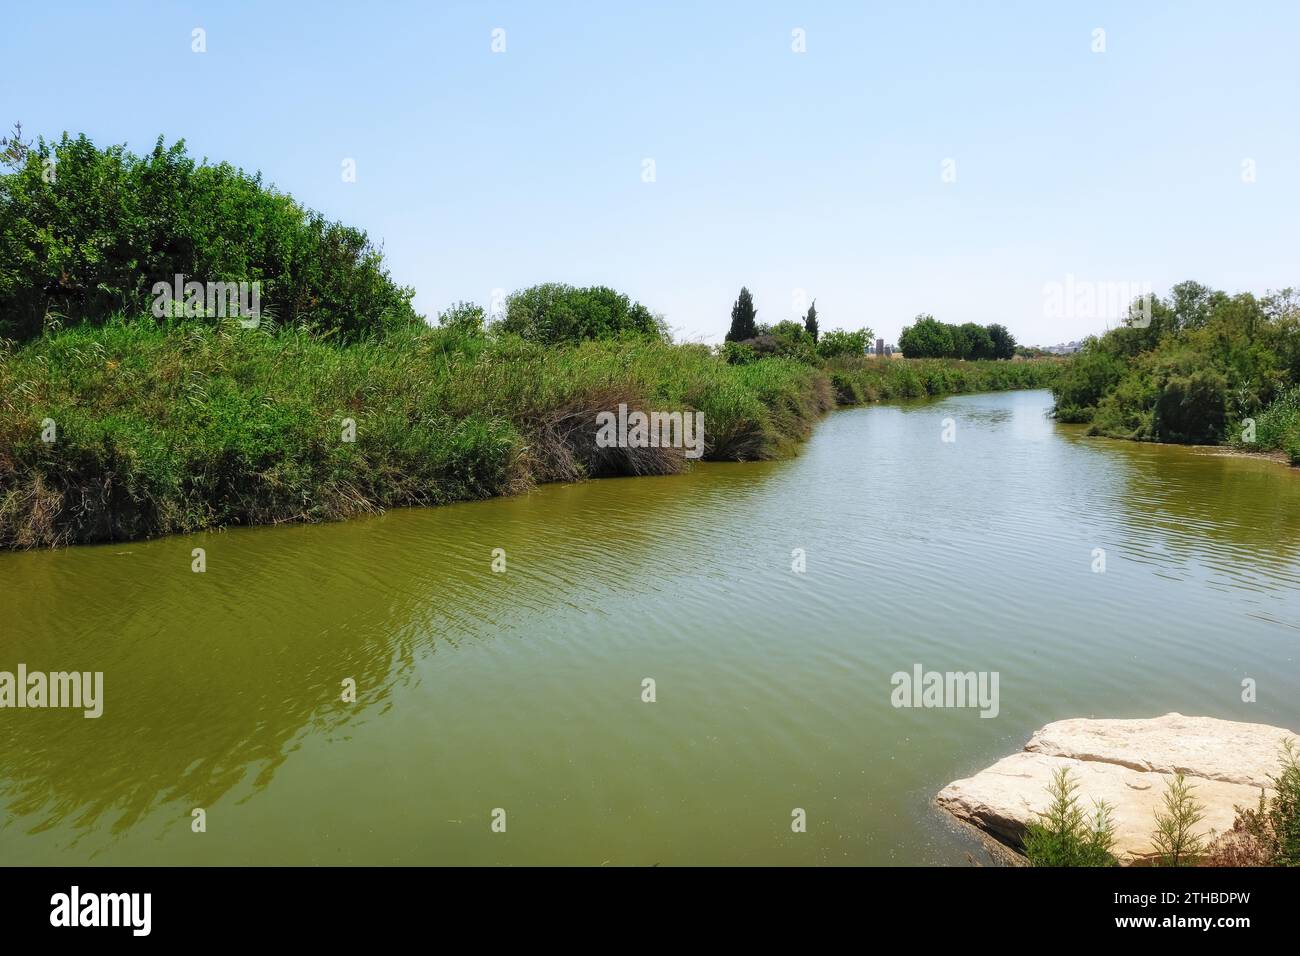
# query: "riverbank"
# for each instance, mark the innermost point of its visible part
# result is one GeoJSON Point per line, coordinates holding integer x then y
{"type": "Point", "coordinates": [130, 430]}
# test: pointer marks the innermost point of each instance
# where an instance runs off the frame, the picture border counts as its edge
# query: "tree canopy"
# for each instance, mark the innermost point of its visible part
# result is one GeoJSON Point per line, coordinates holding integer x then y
{"type": "Point", "coordinates": [87, 232]}
{"type": "Point", "coordinates": [927, 337]}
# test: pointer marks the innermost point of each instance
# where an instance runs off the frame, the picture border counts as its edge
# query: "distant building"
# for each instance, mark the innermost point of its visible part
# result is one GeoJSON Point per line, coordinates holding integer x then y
{"type": "Point", "coordinates": [1063, 348]}
{"type": "Point", "coordinates": [880, 348]}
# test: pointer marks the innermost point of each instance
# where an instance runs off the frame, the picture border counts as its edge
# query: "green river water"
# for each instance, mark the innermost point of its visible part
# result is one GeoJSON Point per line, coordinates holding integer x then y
{"type": "Point", "coordinates": [522, 690]}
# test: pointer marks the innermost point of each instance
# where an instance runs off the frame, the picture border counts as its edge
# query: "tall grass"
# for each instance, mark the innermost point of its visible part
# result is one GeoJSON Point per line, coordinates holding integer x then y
{"type": "Point", "coordinates": [163, 430]}
{"type": "Point", "coordinates": [1278, 427]}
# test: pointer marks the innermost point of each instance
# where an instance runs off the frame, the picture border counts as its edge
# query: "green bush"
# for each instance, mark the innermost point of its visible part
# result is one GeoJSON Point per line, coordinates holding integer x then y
{"type": "Point", "coordinates": [738, 353]}
{"type": "Point", "coordinates": [1192, 408]}
{"type": "Point", "coordinates": [554, 313]}
{"type": "Point", "coordinates": [85, 233]}
{"type": "Point", "coordinates": [464, 317]}
{"type": "Point", "coordinates": [838, 342]}
{"type": "Point", "coordinates": [927, 337]}
{"type": "Point", "coordinates": [783, 340]}
{"type": "Point", "coordinates": [1128, 410]}
{"type": "Point", "coordinates": [1083, 382]}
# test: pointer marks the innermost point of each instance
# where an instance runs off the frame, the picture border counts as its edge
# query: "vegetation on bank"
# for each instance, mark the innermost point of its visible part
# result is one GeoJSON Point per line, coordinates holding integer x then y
{"type": "Point", "coordinates": [121, 420]}
{"type": "Point", "coordinates": [1203, 367]}
{"type": "Point", "coordinates": [856, 380]}
{"type": "Point", "coordinates": [132, 429]}
{"type": "Point", "coordinates": [1267, 835]}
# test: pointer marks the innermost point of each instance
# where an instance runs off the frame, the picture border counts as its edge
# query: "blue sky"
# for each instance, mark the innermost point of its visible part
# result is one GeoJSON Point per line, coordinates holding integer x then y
{"type": "Point", "coordinates": [818, 171]}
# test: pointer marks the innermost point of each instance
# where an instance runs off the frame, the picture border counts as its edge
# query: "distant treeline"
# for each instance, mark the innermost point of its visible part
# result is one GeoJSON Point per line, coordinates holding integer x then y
{"type": "Point", "coordinates": [927, 337]}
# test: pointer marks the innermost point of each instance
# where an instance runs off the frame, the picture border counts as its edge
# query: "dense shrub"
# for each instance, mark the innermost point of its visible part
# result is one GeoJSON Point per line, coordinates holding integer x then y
{"type": "Point", "coordinates": [465, 317]}
{"type": "Point", "coordinates": [784, 340]}
{"type": "Point", "coordinates": [554, 313]}
{"type": "Point", "coordinates": [738, 353]}
{"type": "Point", "coordinates": [1081, 385]}
{"type": "Point", "coordinates": [1127, 411]}
{"type": "Point", "coordinates": [1191, 408]}
{"type": "Point", "coordinates": [1206, 366]}
{"type": "Point", "coordinates": [86, 232]}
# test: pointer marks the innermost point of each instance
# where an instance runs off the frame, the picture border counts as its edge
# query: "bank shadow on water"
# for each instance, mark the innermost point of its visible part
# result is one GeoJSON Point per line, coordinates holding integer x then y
{"type": "Point", "coordinates": [223, 688]}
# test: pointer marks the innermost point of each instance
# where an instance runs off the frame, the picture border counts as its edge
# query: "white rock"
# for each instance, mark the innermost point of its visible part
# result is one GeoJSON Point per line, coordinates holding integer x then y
{"type": "Point", "coordinates": [1126, 763]}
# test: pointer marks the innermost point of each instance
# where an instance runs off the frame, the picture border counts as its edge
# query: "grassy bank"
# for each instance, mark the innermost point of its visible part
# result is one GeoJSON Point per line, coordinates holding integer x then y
{"type": "Point", "coordinates": [858, 380]}
{"type": "Point", "coordinates": [163, 430]}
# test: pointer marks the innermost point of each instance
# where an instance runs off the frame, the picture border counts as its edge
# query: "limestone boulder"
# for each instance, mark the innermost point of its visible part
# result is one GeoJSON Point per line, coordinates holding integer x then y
{"type": "Point", "coordinates": [1126, 763]}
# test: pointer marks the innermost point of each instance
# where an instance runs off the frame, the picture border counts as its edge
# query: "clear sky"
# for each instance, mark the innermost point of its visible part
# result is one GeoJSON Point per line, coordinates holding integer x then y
{"type": "Point", "coordinates": [819, 171]}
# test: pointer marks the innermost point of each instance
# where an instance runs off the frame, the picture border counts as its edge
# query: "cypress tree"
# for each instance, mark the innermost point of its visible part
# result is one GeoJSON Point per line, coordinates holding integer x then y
{"type": "Point", "coordinates": [743, 325]}
{"type": "Point", "coordinates": [810, 321]}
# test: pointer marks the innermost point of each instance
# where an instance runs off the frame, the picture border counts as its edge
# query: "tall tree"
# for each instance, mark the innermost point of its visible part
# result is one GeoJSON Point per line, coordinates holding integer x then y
{"type": "Point", "coordinates": [927, 337]}
{"type": "Point", "coordinates": [743, 314]}
{"type": "Point", "coordinates": [810, 321]}
{"type": "Point", "coordinates": [973, 341]}
{"type": "Point", "coordinates": [1004, 343]}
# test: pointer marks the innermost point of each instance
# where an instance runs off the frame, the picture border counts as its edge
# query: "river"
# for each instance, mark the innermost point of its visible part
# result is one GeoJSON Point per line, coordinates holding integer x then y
{"type": "Point", "coordinates": [522, 691]}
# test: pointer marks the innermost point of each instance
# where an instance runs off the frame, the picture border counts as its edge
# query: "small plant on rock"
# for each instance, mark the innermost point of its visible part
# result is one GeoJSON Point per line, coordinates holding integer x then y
{"type": "Point", "coordinates": [1176, 841]}
{"type": "Point", "coordinates": [1065, 836]}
